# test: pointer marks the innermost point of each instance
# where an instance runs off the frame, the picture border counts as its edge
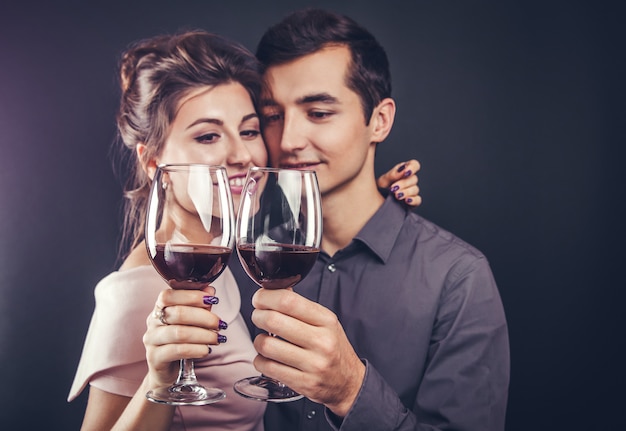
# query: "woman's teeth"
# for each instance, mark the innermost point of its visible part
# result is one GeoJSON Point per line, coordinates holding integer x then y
{"type": "Point", "coordinates": [236, 182]}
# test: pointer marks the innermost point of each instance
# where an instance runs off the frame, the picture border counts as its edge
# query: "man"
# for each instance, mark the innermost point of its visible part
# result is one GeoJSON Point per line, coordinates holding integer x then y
{"type": "Point", "coordinates": [399, 326]}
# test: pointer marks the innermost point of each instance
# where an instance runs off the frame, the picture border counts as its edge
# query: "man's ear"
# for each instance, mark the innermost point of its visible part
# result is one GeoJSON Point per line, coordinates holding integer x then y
{"type": "Point", "coordinates": [149, 166]}
{"type": "Point", "coordinates": [382, 119]}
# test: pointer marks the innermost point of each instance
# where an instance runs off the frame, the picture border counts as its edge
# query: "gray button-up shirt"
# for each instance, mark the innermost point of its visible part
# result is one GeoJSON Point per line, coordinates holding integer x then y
{"type": "Point", "coordinates": [422, 310]}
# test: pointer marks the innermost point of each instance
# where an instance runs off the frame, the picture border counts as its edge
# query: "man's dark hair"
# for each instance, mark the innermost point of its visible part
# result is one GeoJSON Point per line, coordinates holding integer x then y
{"type": "Point", "coordinates": [307, 31]}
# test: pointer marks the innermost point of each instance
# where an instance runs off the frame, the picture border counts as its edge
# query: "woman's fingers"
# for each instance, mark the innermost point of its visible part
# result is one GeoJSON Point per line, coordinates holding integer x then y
{"type": "Point", "coordinates": [188, 316]}
{"type": "Point", "coordinates": [182, 325]}
{"type": "Point", "coordinates": [197, 298]}
{"type": "Point", "coordinates": [402, 181]}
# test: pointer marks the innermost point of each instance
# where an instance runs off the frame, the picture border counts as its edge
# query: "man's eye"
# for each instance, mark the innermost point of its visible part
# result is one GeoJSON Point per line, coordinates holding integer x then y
{"type": "Point", "coordinates": [319, 115]}
{"type": "Point", "coordinates": [207, 138]}
{"type": "Point", "coordinates": [272, 118]}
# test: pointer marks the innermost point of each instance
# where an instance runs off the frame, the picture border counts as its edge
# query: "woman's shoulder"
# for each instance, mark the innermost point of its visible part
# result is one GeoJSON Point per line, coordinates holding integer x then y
{"type": "Point", "coordinates": [135, 282]}
{"type": "Point", "coordinates": [136, 258]}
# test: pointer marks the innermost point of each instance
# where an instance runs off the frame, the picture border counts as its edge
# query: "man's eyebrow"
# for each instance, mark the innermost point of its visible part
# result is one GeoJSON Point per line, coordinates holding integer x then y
{"type": "Point", "coordinates": [267, 102]}
{"type": "Point", "coordinates": [206, 120]}
{"type": "Point", "coordinates": [309, 98]}
{"type": "Point", "coordinates": [317, 97]}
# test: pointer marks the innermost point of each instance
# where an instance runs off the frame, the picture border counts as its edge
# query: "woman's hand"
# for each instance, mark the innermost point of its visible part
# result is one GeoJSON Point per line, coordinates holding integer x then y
{"type": "Point", "coordinates": [401, 181]}
{"type": "Point", "coordinates": [182, 326]}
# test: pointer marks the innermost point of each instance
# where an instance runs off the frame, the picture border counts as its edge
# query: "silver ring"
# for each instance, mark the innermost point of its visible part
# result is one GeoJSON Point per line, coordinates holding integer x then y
{"type": "Point", "coordinates": [159, 313]}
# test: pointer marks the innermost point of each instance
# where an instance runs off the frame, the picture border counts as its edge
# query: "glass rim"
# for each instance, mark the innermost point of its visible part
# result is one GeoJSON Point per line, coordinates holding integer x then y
{"type": "Point", "coordinates": [272, 169]}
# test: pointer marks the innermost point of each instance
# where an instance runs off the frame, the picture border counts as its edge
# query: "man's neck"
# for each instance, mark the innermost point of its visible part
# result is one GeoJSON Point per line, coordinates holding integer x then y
{"type": "Point", "coordinates": [345, 212]}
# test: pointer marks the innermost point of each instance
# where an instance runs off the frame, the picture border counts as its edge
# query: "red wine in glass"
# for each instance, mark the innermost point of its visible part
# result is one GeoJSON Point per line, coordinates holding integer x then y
{"type": "Point", "coordinates": [189, 235]}
{"type": "Point", "coordinates": [190, 266]}
{"type": "Point", "coordinates": [279, 232]}
{"type": "Point", "coordinates": [275, 265]}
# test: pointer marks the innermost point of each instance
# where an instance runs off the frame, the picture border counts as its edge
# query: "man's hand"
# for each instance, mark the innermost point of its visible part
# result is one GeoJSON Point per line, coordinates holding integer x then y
{"type": "Point", "coordinates": [312, 354]}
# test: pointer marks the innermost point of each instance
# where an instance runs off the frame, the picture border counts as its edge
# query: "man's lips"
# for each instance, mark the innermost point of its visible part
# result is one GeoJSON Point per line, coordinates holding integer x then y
{"type": "Point", "coordinates": [300, 165]}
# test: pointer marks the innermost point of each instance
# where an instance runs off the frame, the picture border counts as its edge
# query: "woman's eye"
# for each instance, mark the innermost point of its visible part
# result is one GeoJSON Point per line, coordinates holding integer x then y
{"type": "Point", "coordinates": [251, 134]}
{"type": "Point", "coordinates": [207, 138]}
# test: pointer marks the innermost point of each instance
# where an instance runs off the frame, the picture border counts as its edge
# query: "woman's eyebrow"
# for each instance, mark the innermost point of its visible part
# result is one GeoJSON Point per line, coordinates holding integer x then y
{"type": "Point", "coordinates": [205, 120]}
{"type": "Point", "coordinates": [249, 116]}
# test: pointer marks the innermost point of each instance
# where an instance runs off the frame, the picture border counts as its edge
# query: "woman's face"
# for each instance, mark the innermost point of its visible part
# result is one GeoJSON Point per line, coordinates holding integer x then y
{"type": "Point", "coordinates": [217, 126]}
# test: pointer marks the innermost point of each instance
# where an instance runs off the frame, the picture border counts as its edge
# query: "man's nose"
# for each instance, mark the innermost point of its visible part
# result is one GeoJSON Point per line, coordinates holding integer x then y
{"type": "Point", "coordinates": [293, 134]}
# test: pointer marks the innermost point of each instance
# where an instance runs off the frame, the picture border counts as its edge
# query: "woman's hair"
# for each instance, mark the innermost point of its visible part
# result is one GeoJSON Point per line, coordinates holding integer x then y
{"type": "Point", "coordinates": [155, 74]}
{"type": "Point", "coordinates": [307, 31]}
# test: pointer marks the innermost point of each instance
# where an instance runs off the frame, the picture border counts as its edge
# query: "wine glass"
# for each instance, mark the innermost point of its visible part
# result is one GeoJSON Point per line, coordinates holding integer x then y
{"type": "Point", "coordinates": [279, 230]}
{"type": "Point", "coordinates": [190, 237]}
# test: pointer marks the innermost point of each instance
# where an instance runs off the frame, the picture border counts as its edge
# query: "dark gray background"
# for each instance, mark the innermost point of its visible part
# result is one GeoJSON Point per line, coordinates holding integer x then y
{"type": "Point", "coordinates": [515, 109]}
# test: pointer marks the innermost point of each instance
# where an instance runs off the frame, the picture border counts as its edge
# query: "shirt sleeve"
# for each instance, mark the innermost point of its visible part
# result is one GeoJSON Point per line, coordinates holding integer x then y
{"type": "Point", "coordinates": [465, 383]}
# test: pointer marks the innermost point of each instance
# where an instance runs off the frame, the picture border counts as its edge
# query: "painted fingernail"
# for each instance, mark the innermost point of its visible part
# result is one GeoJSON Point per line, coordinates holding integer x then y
{"type": "Point", "coordinates": [408, 173]}
{"type": "Point", "coordinates": [400, 195]}
{"type": "Point", "coordinates": [401, 167]}
{"type": "Point", "coordinates": [210, 300]}
{"type": "Point", "coordinates": [394, 189]}
{"type": "Point", "coordinates": [409, 200]}
{"type": "Point", "coordinates": [222, 324]}
{"type": "Point", "coordinates": [221, 338]}
{"type": "Point", "coordinates": [210, 350]}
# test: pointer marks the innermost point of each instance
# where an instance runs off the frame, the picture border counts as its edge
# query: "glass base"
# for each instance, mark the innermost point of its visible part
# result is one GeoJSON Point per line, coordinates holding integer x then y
{"type": "Point", "coordinates": [263, 388]}
{"type": "Point", "coordinates": [186, 395]}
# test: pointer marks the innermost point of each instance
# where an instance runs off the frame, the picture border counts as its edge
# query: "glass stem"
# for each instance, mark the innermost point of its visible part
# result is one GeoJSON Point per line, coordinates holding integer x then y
{"type": "Point", "coordinates": [186, 373]}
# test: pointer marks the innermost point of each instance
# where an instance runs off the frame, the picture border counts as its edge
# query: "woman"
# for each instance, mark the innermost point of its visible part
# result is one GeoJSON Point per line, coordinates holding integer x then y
{"type": "Point", "coordinates": [185, 98]}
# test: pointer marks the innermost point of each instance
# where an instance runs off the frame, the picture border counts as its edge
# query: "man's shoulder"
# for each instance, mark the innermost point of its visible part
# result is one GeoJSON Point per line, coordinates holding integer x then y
{"type": "Point", "coordinates": [437, 239]}
{"type": "Point", "coordinates": [437, 252]}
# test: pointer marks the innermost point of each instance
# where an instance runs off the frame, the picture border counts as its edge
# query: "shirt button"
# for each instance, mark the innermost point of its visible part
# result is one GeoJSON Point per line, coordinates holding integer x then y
{"type": "Point", "coordinates": [331, 267]}
{"type": "Point", "coordinates": [311, 414]}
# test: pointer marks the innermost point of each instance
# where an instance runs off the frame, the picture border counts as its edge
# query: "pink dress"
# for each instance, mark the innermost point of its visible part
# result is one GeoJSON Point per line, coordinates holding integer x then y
{"type": "Point", "coordinates": [114, 359]}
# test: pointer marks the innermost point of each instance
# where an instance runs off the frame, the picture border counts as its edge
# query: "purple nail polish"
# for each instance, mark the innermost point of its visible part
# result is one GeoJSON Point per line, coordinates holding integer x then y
{"type": "Point", "coordinates": [394, 189]}
{"type": "Point", "coordinates": [408, 173]}
{"type": "Point", "coordinates": [400, 195]}
{"type": "Point", "coordinates": [210, 300]}
{"type": "Point", "coordinates": [401, 167]}
{"type": "Point", "coordinates": [221, 338]}
{"type": "Point", "coordinates": [222, 324]}
{"type": "Point", "coordinates": [409, 200]}
{"type": "Point", "coordinates": [210, 350]}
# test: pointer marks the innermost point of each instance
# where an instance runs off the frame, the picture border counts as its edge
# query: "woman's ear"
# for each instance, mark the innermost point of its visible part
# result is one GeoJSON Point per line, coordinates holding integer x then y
{"type": "Point", "coordinates": [149, 166]}
{"type": "Point", "coordinates": [382, 119]}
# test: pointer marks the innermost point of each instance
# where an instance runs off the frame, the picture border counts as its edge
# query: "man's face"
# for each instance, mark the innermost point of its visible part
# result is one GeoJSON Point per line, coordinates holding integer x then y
{"type": "Point", "coordinates": [314, 121]}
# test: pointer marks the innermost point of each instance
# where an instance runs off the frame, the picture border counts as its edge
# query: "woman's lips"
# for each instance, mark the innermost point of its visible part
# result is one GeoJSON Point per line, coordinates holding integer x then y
{"type": "Point", "coordinates": [236, 183]}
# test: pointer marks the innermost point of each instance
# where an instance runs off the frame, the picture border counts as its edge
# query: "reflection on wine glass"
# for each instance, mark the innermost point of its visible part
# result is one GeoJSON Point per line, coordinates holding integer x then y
{"type": "Point", "coordinates": [189, 237]}
{"type": "Point", "coordinates": [279, 231]}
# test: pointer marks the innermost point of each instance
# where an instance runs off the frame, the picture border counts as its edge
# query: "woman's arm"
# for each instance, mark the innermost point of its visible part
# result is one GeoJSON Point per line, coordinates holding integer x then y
{"type": "Point", "coordinates": [190, 329]}
{"type": "Point", "coordinates": [116, 412]}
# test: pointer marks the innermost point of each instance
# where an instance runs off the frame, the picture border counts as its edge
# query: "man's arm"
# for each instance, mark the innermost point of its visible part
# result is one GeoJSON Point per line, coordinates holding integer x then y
{"type": "Point", "coordinates": [464, 386]}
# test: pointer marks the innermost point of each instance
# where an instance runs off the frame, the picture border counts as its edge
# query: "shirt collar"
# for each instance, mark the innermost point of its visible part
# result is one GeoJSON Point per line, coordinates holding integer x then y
{"type": "Point", "coordinates": [380, 232]}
